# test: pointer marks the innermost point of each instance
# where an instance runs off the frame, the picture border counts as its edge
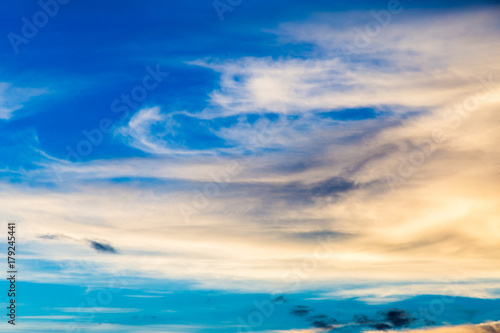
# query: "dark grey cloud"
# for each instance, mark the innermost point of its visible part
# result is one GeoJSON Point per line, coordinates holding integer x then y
{"type": "Point", "coordinates": [321, 234]}
{"type": "Point", "coordinates": [381, 152]}
{"type": "Point", "coordinates": [386, 320]}
{"type": "Point", "coordinates": [49, 236]}
{"type": "Point", "coordinates": [381, 326]}
{"type": "Point", "coordinates": [490, 329]}
{"type": "Point", "coordinates": [280, 299]}
{"type": "Point", "coordinates": [301, 310]}
{"type": "Point", "coordinates": [361, 319]}
{"type": "Point", "coordinates": [323, 321]}
{"type": "Point", "coordinates": [331, 187]}
{"type": "Point", "coordinates": [102, 247]}
{"type": "Point", "coordinates": [265, 198]}
{"type": "Point", "coordinates": [291, 193]}
{"type": "Point", "coordinates": [318, 320]}
{"type": "Point", "coordinates": [398, 318]}
{"type": "Point", "coordinates": [297, 192]}
{"type": "Point", "coordinates": [296, 165]}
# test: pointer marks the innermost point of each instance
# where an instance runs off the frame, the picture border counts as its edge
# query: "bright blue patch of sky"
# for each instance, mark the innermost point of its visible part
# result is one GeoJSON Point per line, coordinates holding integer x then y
{"type": "Point", "coordinates": [174, 304]}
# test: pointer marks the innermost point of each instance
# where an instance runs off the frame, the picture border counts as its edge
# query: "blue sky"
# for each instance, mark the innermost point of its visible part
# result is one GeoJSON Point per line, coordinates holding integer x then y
{"type": "Point", "coordinates": [336, 161]}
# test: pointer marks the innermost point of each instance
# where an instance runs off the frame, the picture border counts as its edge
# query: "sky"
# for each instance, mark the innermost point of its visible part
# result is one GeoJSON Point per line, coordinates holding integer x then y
{"type": "Point", "coordinates": [251, 166]}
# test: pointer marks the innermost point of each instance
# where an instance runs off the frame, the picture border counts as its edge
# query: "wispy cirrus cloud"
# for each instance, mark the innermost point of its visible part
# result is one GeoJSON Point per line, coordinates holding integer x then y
{"type": "Point", "coordinates": [13, 97]}
{"type": "Point", "coordinates": [98, 310]}
{"type": "Point", "coordinates": [409, 58]}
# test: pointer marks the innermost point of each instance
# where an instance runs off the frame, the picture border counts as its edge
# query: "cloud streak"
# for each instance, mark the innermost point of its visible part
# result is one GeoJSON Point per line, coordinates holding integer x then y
{"type": "Point", "coordinates": [12, 98]}
{"type": "Point", "coordinates": [482, 328]}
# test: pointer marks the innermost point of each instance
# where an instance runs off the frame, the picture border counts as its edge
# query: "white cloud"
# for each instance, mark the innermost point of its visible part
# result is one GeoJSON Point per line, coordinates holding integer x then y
{"type": "Point", "coordinates": [98, 310]}
{"type": "Point", "coordinates": [63, 327]}
{"type": "Point", "coordinates": [12, 98]}
{"type": "Point", "coordinates": [436, 56]}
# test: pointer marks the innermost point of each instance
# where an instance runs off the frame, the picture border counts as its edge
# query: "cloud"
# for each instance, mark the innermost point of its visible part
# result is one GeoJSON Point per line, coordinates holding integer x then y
{"type": "Point", "coordinates": [139, 130]}
{"type": "Point", "coordinates": [51, 317]}
{"type": "Point", "coordinates": [398, 318]}
{"type": "Point", "coordinates": [154, 132]}
{"type": "Point", "coordinates": [301, 310]}
{"type": "Point", "coordinates": [55, 326]}
{"type": "Point", "coordinates": [321, 234]}
{"type": "Point", "coordinates": [482, 328]}
{"type": "Point", "coordinates": [393, 70]}
{"type": "Point", "coordinates": [102, 247]}
{"type": "Point", "coordinates": [294, 331]}
{"type": "Point", "coordinates": [98, 310]}
{"type": "Point", "coordinates": [49, 236]}
{"type": "Point", "coordinates": [322, 321]}
{"type": "Point", "coordinates": [386, 320]}
{"type": "Point", "coordinates": [12, 98]}
{"type": "Point", "coordinates": [99, 246]}
{"type": "Point", "coordinates": [280, 299]}
{"type": "Point", "coordinates": [318, 320]}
